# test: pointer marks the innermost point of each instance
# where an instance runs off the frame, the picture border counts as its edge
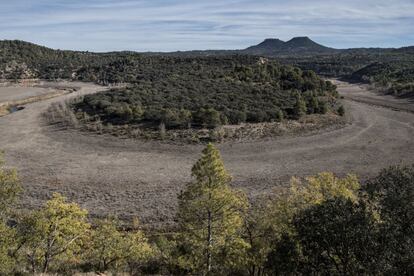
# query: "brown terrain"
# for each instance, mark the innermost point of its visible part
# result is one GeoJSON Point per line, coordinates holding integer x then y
{"type": "Point", "coordinates": [109, 175]}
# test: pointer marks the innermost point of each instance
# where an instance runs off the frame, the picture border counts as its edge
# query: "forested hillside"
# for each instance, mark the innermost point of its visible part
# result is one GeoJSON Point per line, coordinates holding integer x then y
{"type": "Point", "coordinates": [19, 59]}
{"type": "Point", "coordinates": [396, 77]}
{"type": "Point", "coordinates": [390, 69]}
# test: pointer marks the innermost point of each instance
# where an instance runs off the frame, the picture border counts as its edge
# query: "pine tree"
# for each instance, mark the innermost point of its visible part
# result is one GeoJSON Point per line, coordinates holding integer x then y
{"type": "Point", "coordinates": [9, 189]}
{"type": "Point", "coordinates": [7, 244]}
{"type": "Point", "coordinates": [341, 110]}
{"type": "Point", "coordinates": [299, 109]}
{"type": "Point", "coordinates": [54, 235]}
{"type": "Point", "coordinates": [210, 218]}
{"type": "Point", "coordinates": [113, 248]}
{"type": "Point", "coordinates": [9, 192]}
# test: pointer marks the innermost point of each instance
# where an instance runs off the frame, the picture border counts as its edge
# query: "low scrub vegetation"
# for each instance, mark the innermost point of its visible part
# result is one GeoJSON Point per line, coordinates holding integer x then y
{"type": "Point", "coordinates": [322, 225]}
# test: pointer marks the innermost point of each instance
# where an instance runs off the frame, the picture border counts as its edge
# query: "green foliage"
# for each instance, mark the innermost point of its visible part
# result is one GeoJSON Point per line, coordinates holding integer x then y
{"type": "Point", "coordinates": [210, 219]}
{"type": "Point", "coordinates": [209, 118]}
{"type": "Point", "coordinates": [177, 90]}
{"type": "Point", "coordinates": [341, 110]}
{"type": "Point", "coordinates": [207, 92]}
{"type": "Point", "coordinates": [9, 189]}
{"type": "Point", "coordinates": [392, 194]}
{"type": "Point", "coordinates": [322, 187]}
{"type": "Point", "coordinates": [299, 108]}
{"type": "Point", "coordinates": [7, 245]}
{"type": "Point", "coordinates": [337, 237]}
{"type": "Point", "coordinates": [314, 190]}
{"type": "Point", "coordinates": [396, 76]}
{"type": "Point", "coordinates": [111, 248]}
{"type": "Point", "coordinates": [54, 235]}
{"type": "Point", "coordinates": [324, 225]}
{"type": "Point", "coordinates": [284, 258]}
{"type": "Point", "coordinates": [270, 226]}
{"type": "Point", "coordinates": [388, 69]}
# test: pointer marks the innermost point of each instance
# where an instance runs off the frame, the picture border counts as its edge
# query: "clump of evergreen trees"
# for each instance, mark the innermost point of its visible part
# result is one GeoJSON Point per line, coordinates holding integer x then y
{"type": "Point", "coordinates": [323, 225]}
{"type": "Point", "coordinates": [209, 92]}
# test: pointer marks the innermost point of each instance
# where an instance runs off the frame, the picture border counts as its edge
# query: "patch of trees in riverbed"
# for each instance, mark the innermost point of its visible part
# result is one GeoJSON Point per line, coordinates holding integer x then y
{"type": "Point", "coordinates": [209, 92]}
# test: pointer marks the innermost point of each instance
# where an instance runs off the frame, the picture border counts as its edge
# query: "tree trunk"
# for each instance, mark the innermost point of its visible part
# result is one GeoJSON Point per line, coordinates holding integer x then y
{"type": "Point", "coordinates": [46, 264]}
{"type": "Point", "coordinates": [209, 241]}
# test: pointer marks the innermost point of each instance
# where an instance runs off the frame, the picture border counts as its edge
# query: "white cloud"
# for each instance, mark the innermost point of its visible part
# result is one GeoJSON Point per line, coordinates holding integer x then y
{"type": "Point", "coordinates": [200, 24]}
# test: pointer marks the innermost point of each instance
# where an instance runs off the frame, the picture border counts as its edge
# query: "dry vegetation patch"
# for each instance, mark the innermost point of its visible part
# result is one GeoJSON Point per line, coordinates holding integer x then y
{"type": "Point", "coordinates": [63, 115]}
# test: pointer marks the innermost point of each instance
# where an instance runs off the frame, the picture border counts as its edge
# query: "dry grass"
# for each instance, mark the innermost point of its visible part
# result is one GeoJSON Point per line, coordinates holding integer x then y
{"type": "Point", "coordinates": [230, 133]}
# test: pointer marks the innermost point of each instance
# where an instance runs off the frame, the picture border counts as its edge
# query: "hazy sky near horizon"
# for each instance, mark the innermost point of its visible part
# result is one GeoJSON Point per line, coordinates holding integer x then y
{"type": "Point", "coordinates": [169, 25]}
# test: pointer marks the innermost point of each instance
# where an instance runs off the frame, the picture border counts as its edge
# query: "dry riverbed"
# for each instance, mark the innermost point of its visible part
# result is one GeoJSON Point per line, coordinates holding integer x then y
{"type": "Point", "coordinates": [15, 96]}
{"type": "Point", "coordinates": [109, 175]}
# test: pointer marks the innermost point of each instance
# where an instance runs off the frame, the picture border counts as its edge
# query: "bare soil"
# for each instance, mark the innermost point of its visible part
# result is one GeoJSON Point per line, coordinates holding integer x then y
{"type": "Point", "coordinates": [109, 175]}
{"type": "Point", "coordinates": [18, 94]}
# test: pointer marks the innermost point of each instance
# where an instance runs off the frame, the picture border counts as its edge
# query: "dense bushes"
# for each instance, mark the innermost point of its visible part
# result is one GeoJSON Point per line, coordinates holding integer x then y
{"type": "Point", "coordinates": [389, 69]}
{"type": "Point", "coordinates": [395, 77]}
{"type": "Point", "coordinates": [208, 92]}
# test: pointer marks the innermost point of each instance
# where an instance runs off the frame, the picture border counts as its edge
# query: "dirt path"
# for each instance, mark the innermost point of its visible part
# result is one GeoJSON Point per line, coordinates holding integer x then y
{"type": "Point", "coordinates": [130, 178]}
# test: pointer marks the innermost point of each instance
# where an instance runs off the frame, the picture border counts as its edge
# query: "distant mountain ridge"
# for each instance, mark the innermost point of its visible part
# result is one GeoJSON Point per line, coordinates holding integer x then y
{"type": "Point", "coordinates": [297, 45]}
{"type": "Point", "coordinates": [270, 47]}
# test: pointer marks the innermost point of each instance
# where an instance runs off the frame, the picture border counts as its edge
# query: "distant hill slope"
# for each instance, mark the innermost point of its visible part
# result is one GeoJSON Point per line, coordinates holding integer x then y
{"type": "Point", "coordinates": [295, 46]}
{"type": "Point", "coordinates": [388, 67]}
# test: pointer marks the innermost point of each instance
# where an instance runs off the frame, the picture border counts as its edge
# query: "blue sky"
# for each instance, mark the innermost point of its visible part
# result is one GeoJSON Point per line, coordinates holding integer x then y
{"type": "Point", "coordinates": [168, 25]}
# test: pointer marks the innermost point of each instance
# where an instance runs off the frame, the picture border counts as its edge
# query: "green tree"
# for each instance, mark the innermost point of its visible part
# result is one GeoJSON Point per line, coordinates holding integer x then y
{"type": "Point", "coordinates": [284, 258]}
{"type": "Point", "coordinates": [323, 107]}
{"type": "Point", "coordinates": [54, 235]}
{"type": "Point", "coordinates": [338, 237]}
{"type": "Point", "coordinates": [392, 194]}
{"type": "Point", "coordinates": [299, 108]}
{"type": "Point", "coordinates": [210, 218]}
{"type": "Point", "coordinates": [210, 118]}
{"type": "Point", "coordinates": [9, 189]}
{"type": "Point", "coordinates": [256, 233]}
{"type": "Point", "coordinates": [341, 110]}
{"type": "Point", "coordinates": [114, 248]}
{"type": "Point", "coordinates": [313, 190]}
{"type": "Point", "coordinates": [313, 106]}
{"type": "Point", "coordinates": [7, 247]}
{"type": "Point", "coordinates": [274, 221]}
